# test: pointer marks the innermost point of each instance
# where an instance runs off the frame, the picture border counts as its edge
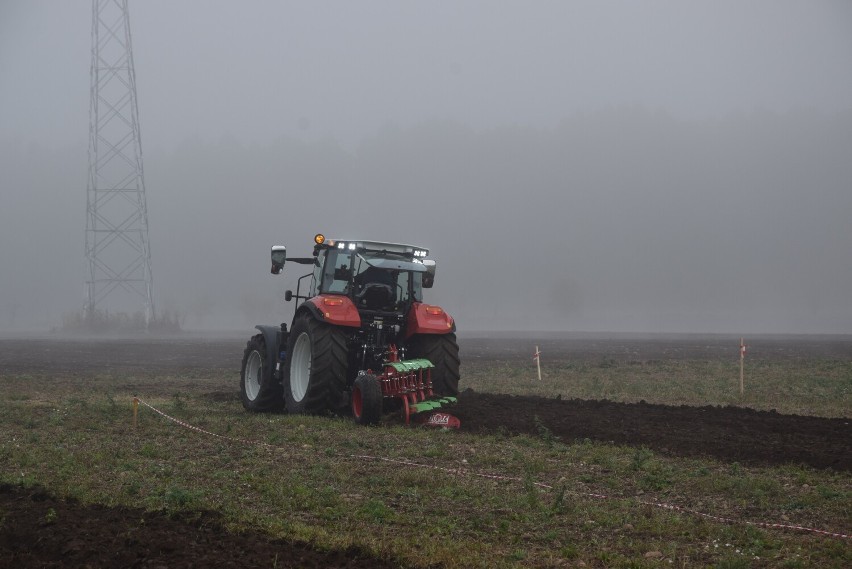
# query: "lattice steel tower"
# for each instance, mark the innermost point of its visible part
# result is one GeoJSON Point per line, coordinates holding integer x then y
{"type": "Point", "coordinates": [117, 248]}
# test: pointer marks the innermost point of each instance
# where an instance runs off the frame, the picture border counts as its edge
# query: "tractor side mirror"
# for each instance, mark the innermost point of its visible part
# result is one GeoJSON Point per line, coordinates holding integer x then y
{"type": "Point", "coordinates": [279, 256]}
{"type": "Point", "coordinates": [288, 295]}
{"type": "Point", "coordinates": [429, 275]}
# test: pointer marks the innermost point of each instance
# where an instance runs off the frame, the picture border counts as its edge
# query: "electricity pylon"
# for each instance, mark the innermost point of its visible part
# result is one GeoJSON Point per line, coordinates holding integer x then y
{"type": "Point", "coordinates": [117, 248]}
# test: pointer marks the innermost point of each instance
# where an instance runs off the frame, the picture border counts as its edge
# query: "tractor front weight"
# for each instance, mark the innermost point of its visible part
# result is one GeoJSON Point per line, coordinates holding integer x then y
{"type": "Point", "coordinates": [410, 382]}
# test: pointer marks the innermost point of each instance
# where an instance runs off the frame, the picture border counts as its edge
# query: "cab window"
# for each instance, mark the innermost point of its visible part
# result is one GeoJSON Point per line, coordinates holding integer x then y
{"type": "Point", "coordinates": [338, 264]}
{"type": "Point", "coordinates": [416, 286]}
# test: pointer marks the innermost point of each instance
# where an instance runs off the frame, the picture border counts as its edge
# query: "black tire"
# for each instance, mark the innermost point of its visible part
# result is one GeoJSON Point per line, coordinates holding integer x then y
{"type": "Point", "coordinates": [366, 400]}
{"type": "Point", "coordinates": [443, 351]}
{"type": "Point", "coordinates": [260, 388]}
{"type": "Point", "coordinates": [315, 379]}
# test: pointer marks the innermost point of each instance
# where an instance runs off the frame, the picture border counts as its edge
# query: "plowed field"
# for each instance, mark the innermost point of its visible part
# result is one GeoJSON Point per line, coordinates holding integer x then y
{"type": "Point", "coordinates": [106, 537]}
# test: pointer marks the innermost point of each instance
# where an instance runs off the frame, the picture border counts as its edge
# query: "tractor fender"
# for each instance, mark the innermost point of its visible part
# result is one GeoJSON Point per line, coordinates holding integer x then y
{"type": "Point", "coordinates": [333, 309]}
{"type": "Point", "coordinates": [271, 335]}
{"type": "Point", "coordinates": [428, 319]}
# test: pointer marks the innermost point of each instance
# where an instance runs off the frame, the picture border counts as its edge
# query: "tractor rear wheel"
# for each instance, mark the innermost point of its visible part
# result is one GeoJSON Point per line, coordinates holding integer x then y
{"type": "Point", "coordinates": [315, 381]}
{"type": "Point", "coordinates": [260, 390]}
{"type": "Point", "coordinates": [366, 400]}
{"type": "Point", "coordinates": [443, 351]}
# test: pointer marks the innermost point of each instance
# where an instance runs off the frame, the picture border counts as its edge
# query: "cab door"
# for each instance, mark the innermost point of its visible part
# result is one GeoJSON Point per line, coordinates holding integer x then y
{"type": "Point", "coordinates": [317, 275]}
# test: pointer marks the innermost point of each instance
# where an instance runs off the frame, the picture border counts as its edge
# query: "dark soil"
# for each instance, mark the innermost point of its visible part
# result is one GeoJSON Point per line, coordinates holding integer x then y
{"type": "Point", "coordinates": [732, 434]}
{"type": "Point", "coordinates": [37, 530]}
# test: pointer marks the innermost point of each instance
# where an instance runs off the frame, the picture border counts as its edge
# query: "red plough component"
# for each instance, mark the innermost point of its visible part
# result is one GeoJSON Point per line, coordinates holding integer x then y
{"type": "Point", "coordinates": [410, 381]}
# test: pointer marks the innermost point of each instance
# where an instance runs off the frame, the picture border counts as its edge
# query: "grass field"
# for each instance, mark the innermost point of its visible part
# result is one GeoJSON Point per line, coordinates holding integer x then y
{"type": "Point", "coordinates": [331, 483]}
{"type": "Point", "coordinates": [817, 387]}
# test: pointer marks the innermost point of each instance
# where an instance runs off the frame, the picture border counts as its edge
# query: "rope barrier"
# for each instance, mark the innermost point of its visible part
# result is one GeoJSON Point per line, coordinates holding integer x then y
{"type": "Point", "coordinates": [203, 431]}
{"type": "Point", "coordinates": [503, 478]}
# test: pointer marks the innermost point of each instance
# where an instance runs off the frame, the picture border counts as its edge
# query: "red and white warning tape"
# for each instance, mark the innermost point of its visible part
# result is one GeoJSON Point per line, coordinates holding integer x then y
{"type": "Point", "coordinates": [604, 496]}
{"type": "Point", "coordinates": [503, 478]}
{"type": "Point", "coordinates": [203, 431]}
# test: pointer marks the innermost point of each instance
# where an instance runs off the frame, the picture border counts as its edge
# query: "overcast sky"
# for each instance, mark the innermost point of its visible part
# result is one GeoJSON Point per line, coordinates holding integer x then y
{"type": "Point", "coordinates": [257, 70]}
{"type": "Point", "coordinates": [341, 80]}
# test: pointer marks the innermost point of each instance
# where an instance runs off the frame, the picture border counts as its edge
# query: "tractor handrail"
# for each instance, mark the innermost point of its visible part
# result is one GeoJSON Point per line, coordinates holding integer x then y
{"type": "Point", "coordinates": [298, 296]}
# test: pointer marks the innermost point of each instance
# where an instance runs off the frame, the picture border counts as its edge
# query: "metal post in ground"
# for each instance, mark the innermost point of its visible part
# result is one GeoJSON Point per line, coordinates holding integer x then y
{"type": "Point", "coordinates": [537, 358]}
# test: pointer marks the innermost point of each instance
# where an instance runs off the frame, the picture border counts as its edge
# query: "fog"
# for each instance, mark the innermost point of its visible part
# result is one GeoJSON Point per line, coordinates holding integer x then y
{"type": "Point", "coordinates": [579, 166]}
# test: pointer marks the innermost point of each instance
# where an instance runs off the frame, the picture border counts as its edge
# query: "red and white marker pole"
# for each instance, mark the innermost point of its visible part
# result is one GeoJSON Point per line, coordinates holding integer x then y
{"type": "Point", "coordinates": [537, 358]}
{"type": "Point", "coordinates": [742, 359]}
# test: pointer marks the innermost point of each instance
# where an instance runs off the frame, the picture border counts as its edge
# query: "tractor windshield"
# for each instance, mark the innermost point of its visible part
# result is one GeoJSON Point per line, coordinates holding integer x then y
{"type": "Point", "coordinates": [349, 271]}
{"type": "Point", "coordinates": [394, 270]}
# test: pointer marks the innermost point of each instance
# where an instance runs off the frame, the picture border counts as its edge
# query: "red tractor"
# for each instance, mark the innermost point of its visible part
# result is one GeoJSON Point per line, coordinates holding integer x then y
{"type": "Point", "coordinates": [361, 338]}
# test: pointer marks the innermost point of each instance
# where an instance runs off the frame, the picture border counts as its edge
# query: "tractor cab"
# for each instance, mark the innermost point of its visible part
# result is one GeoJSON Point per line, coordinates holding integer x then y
{"type": "Point", "coordinates": [375, 279]}
{"type": "Point", "coordinates": [376, 276]}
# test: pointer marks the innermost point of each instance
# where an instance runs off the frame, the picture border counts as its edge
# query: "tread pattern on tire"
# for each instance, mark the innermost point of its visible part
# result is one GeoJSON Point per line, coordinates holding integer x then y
{"type": "Point", "coordinates": [270, 397]}
{"type": "Point", "coordinates": [443, 351]}
{"type": "Point", "coordinates": [371, 399]}
{"type": "Point", "coordinates": [327, 388]}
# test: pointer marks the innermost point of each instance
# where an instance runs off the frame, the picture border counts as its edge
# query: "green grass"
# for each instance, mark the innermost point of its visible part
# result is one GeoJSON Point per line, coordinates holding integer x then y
{"type": "Point", "coordinates": [75, 437]}
{"type": "Point", "coordinates": [803, 387]}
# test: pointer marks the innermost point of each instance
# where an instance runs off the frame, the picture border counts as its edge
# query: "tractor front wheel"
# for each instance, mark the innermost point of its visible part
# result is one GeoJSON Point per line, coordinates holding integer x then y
{"type": "Point", "coordinates": [260, 390]}
{"type": "Point", "coordinates": [366, 400]}
{"type": "Point", "coordinates": [315, 381]}
{"type": "Point", "coordinates": [443, 351]}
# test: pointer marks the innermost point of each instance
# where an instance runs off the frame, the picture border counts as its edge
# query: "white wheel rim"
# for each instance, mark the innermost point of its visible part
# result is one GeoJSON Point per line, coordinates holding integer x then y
{"type": "Point", "coordinates": [300, 367]}
{"type": "Point", "coordinates": [254, 365]}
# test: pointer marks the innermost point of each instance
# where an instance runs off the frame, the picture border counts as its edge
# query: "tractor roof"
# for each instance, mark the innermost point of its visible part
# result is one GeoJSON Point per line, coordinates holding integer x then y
{"type": "Point", "coordinates": [359, 244]}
